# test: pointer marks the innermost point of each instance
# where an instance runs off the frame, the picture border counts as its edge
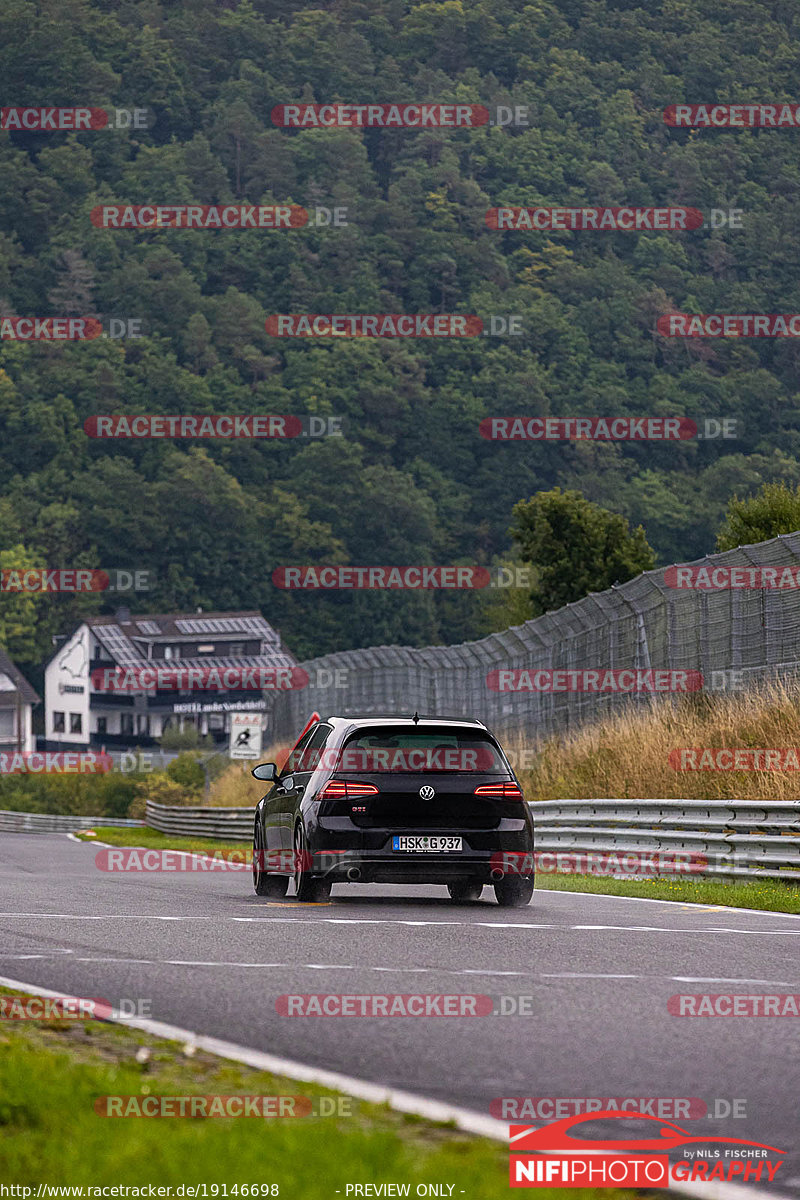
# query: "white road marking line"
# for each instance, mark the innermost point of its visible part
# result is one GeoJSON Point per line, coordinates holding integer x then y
{"type": "Point", "coordinates": [185, 962]}
{"type": "Point", "coordinates": [585, 975]}
{"type": "Point", "coordinates": [757, 932]}
{"type": "Point", "coordinates": [701, 979]}
{"type": "Point", "coordinates": [487, 972]}
{"type": "Point", "coordinates": [478, 971]}
{"type": "Point", "coordinates": [329, 967]}
{"type": "Point", "coordinates": [731, 908]}
{"type": "Point", "coordinates": [499, 925]}
{"type": "Point", "coordinates": [106, 917]}
{"type": "Point", "coordinates": [134, 962]}
{"type": "Point", "coordinates": [345, 920]}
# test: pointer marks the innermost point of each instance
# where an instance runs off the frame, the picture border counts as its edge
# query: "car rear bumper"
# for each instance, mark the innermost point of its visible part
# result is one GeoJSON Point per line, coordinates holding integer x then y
{"type": "Point", "coordinates": [370, 866]}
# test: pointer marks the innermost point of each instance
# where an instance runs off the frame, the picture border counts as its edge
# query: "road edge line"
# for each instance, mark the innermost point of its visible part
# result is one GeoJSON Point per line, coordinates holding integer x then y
{"type": "Point", "coordinates": [374, 1093]}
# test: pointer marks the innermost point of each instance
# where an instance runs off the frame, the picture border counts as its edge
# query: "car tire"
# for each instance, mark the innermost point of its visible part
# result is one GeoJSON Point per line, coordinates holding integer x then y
{"type": "Point", "coordinates": [463, 890]}
{"type": "Point", "coordinates": [273, 886]}
{"type": "Point", "coordinates": [513, 891]}
{"type": "Point", "coordinates": [307, 888]}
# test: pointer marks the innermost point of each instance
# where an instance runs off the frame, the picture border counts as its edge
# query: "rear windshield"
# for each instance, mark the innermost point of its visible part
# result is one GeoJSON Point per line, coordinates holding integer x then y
{"type": "Point", "coordinates": [420, 750]}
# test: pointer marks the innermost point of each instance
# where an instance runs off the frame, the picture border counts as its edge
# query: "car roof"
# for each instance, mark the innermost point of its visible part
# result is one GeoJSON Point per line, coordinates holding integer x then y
{"type": "Point", "coordinates": [405, 719]}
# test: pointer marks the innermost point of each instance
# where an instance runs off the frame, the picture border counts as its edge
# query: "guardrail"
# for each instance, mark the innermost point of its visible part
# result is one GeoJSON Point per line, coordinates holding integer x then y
{"type": "Point", "coordinates": [752, 838]}
{"type": "Point", "coordinates": [756, 838]}
{"type": "Point", "coordinates": [741, 837]}
{"type": "Point", "coordinates": [33, 822]}
{"type": "Point", "coordinates": [236, 824]}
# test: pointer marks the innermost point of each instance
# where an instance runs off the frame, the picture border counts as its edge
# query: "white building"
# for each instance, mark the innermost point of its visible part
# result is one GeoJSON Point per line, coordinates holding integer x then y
{"type": "Point", "coordinates": [77, 716]}
{"type": "Point", "coordinates": [17, 699]}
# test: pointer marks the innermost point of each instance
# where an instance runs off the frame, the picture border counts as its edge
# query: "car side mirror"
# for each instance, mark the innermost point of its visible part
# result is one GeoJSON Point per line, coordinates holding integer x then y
{"type": "Point", "coordinates": [265, 771]}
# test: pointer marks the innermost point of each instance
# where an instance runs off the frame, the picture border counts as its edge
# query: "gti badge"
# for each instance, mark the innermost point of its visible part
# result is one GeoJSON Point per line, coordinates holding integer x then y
{"type": "Point", "coordinates": [427, 792]}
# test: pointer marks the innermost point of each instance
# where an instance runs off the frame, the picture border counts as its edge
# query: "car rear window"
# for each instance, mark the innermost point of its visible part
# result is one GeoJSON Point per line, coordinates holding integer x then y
{"type": "Point", "coordinates": [386, 749]}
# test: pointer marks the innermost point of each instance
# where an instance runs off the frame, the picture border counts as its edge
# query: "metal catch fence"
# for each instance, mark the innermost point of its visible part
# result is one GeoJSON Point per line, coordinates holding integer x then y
{"type": "Point", "coordinates": [730, 635]}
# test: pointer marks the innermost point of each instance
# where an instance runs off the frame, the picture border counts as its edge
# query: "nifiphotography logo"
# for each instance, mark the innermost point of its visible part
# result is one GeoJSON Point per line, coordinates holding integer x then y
{"type": "Point", "coordinates": [552, 1156]}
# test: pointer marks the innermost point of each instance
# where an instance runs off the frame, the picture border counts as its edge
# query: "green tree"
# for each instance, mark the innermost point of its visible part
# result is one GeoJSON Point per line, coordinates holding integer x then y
{"type": "Point", "coordinates": [576, 547]}
{"type": "Point", "coordinates": [18, 609]}
{"type": "Point", "coordinates": [775, 509]}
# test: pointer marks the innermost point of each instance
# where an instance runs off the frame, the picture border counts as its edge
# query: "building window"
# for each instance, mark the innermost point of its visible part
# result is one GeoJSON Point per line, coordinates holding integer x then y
{"type": "Point", "coordinates": [102, 724]}
{"type": "Point", "coordinates": [126, 723]}
{"type": "Point", "coordinates": [235, 650]}
{"type": "Point", "coordinates": [169, 652]}
{"type": "Point", "coordinates": [143, 723]}
{"type": "Point", "coordinates": [75, 723]}
{"type": "Point", "coordinates": [58, 722]}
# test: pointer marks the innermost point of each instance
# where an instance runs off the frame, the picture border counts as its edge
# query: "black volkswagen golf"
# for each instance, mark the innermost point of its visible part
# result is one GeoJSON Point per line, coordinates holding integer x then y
{"type": "Point", "coordinates": [394, 799]}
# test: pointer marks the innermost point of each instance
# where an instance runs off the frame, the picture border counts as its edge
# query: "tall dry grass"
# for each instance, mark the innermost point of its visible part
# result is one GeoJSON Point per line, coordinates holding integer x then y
{"type": "Point", "coordinates": [627, 756]}
{"type": "Point", "coordinates": [235, 786]}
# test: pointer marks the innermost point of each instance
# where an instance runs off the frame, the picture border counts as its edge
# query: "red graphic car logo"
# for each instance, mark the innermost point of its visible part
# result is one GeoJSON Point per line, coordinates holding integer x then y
{"type": "Point", "coordinates": [556, 1137]}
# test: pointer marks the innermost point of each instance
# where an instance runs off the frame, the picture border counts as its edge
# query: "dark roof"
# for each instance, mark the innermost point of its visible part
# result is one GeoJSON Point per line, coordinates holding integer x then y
{"type": "Point", "coordinates": [125, 637]}
{"type": "Point", "coordinates": [406, 719]}
{"type": "Point", "coordinates": [152, 626]}
{"type": "Point", "coordinates": [21, 685]}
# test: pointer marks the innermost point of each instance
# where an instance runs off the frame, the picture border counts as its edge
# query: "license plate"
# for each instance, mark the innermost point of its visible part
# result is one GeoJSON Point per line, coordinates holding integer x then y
{"type": "Point", "coordinates": [426, 845]}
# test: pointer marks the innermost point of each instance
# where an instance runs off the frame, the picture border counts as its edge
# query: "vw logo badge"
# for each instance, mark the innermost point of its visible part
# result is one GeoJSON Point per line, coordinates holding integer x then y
{"type": "Point", "coordinates": [427, 792]}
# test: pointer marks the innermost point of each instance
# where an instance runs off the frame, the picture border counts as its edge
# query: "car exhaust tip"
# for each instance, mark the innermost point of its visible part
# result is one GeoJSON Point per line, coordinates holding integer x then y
{"type": "Point", "coordinates": [354, 873]}
{"type": "Point", "coordinates": [497, 873]}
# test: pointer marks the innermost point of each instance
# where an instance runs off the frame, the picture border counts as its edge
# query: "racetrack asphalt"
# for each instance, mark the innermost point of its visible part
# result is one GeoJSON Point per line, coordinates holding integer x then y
{"type": "Point", "coordinates": [210, 956]}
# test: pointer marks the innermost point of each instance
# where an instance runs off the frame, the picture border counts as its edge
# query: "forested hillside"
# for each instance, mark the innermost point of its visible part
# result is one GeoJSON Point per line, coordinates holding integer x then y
{"type": "Point", "coordinates": [411, 481]}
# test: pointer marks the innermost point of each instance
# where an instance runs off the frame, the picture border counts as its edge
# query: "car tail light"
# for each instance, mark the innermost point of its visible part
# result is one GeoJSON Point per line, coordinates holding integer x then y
{"type": "Point", "coordinates": [344, 789]}
{"type": "Point", "coordinates": [502, 791]}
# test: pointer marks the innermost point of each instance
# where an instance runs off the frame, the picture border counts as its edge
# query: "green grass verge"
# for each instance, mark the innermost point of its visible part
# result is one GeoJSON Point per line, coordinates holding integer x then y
{"type": "Point", "coordinates": [51, 1073]}
{"type": "Point", "coordinates": [772, 895]}
{"type": "Point", "coordinates": [154, 840]}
